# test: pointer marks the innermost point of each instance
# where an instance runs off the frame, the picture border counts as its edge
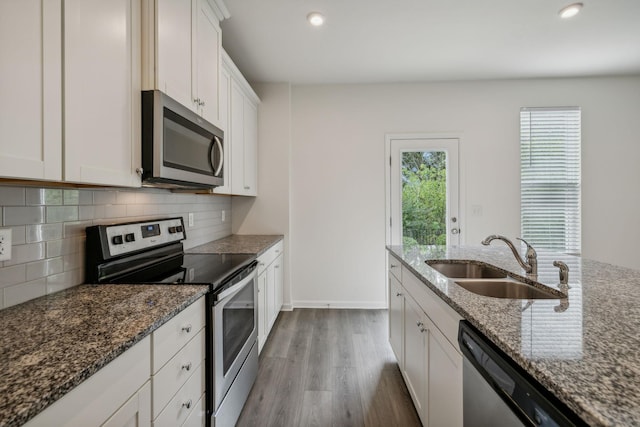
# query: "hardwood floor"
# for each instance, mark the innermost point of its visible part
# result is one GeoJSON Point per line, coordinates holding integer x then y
{"type": "Point", "coordinates": [329, 367]}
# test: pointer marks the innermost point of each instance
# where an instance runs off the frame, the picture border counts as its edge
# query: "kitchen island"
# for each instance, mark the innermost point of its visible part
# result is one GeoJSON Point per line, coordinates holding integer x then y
{"type": "Point", "coordinates": [584, 349]}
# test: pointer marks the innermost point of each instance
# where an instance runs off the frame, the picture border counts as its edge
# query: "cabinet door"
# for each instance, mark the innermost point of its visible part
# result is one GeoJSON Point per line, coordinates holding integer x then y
{"type": "Point", "coordinates": [279, 284]}
{"type": "Point", "coordinates": [396, 321]}
{"type": "Point", "coordinates": [416, 350]}
{"type": "Point", "coordinates": [206, 61]}
{"type": "Point", "coordinates": [236, 122]}
{"type": "Point", "coordinates": [173, 49]}
{"type": "Point", "coordinates": [30, 89]}
{"type": "Point", "coordinates": [136, 412]}
{"type": "Point", "coordinates": [445, 381]}
{"type": "Point", "coordinates": [250, 148]}
{"type": "Point", "coordinates": [262, 309]}
{"type": "Point", "coordinates": [102, 91]}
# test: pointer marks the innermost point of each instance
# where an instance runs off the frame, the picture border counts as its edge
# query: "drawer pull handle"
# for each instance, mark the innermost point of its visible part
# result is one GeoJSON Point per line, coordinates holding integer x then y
{"type": "Point", "coordinates": [187, 366]}
{"type": "Point", "coordinates": [187, 404]}
{"type": "Point", "coordinates": [187, 328]}
{"type": "Point", "coordinates": [398, 294]}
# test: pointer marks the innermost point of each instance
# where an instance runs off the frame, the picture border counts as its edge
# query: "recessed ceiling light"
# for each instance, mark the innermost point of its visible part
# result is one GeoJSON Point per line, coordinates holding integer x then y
{"type": "Point", "coordinates": [570, 11]}
{"type": "Point", "coordinates": [315, 18]}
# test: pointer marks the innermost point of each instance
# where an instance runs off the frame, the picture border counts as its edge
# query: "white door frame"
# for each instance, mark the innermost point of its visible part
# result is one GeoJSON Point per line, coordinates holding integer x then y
{"type": "Point", "coordinates": [414, 136]}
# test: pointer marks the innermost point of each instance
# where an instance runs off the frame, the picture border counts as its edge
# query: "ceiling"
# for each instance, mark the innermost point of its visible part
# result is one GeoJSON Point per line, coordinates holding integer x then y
{"type": "Point", "coordinates": [390, 41]}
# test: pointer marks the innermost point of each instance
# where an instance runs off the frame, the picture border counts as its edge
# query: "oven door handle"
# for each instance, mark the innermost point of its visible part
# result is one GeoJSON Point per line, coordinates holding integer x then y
{"type": "Point", "coordinates": [235, 288]}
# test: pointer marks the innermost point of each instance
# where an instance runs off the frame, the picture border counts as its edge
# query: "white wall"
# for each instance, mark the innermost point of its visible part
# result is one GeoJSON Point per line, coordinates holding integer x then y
{"type": "Point", "coordinates": [269, 212]}
{"type": "Point", "coordinates": [337, 232]}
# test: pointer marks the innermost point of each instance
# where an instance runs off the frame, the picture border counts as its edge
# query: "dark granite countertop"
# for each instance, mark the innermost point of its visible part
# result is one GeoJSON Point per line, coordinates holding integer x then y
{"type": "Point", "coordinates": [238, 244]}
{"type": "Point", "coordinates": [51, 344]}
{"type": "Point", "coordinates": [585, 349]}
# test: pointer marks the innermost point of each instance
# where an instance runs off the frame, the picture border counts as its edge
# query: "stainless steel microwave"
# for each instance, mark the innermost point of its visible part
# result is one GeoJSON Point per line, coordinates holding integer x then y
{"type": "Point", "coordinates": [179, 148]}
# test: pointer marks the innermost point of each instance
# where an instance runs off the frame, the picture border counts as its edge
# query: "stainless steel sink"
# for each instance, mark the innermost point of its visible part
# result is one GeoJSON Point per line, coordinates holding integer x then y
{"type": "Point", "coordinates": [466, 270]}
{"type": "Point", "coordinates": [506, 288]}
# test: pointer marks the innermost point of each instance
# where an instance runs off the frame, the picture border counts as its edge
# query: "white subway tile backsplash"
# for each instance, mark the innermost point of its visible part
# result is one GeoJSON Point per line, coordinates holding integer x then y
{"type": "Point", "coordinates": [12, 196]}
{"type": "Point", "coordinates": [115, 211]}
{"type": "Point", "coordinates": [48, 230]}
{"type": "Point", "coordinates": [12, 275]}
{"type": "Point", "coordinates": [46, 267]}
{"type": "Point", "coordinates": [86, 212]}
{"type": "Point", "coordinates": [21, 254]}
{"type": "Point", "coordinates": [43, 196]}
{"type": "Point", "coordinates": [125, 197]}
{"type": "Point", "coordinates": [62, 213]}
{"type": "Point", "coordinates": [18, 235]}
{"type": "Point", "coordinates": [43, 232]}
{"type": "Point", "coordinates": [66, 280]}
{"type": "Point", "coordinates": [24, 292]}
{"type": "Point", "coordinates": [104, 197]}
{"type": "Point", "coordinates": [23, 215]}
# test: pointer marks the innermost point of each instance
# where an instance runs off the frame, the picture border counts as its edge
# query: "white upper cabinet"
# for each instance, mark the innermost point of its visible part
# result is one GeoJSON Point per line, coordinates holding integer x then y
{"type": "Point", "coordinates": [102, 91]}
{"type": "Point", "coordinates": [30, 89]}
{"type": "Point", "coordinates": [206, 63]}
{"type": "Point", "coordinates": [181, 52]}
{"type": "Point", "coordinates": [89, 48]}
{"type": "Point", "coordinates": [240, 132]}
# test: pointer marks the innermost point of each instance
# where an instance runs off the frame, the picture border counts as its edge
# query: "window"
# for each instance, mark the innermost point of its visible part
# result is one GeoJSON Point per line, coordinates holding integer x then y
{"type": "Point", "coordinates": [550, 178]}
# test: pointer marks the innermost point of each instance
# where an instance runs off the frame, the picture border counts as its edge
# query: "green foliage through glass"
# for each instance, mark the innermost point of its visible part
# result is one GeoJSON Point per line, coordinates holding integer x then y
{"type": "Point", "coordinates": [424, 197]}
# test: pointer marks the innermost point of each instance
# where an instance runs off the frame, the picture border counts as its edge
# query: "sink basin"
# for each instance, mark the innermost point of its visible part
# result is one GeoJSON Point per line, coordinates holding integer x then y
{"type": "Point", "coordinates": [506, 288]}
{"type": "Point", "coordinates": [466, 270]}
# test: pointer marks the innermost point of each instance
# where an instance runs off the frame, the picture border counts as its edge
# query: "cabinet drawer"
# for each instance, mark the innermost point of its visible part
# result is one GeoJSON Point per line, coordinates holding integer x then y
{"type": "Point", "coordinates": [184, 402]}
{"type": "Point", "coordinates": [177, 370]}
{"type": "Point", "coordinates": [197, 416]}
{"type": "Point", "coordinates": [395, 267]}
{"type": "Point", "coordinates": [269, 256]}
{"type": "Point", "coordinates": [172, 336]}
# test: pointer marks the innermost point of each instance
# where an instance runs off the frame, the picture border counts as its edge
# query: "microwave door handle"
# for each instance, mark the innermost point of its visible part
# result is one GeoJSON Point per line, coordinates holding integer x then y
{"type": "Point", "coordinates": [218, 144]}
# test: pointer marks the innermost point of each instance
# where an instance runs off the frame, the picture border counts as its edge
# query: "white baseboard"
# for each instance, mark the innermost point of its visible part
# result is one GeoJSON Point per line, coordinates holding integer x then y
{"type": "Point", "coordinates": [286, 307]}
{"type": "Point", "coordinates": [369, 305]}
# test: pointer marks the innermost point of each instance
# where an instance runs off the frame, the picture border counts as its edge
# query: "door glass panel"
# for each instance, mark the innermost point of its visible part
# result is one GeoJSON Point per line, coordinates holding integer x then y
{"type": "Point", "coordinates": [237, 324]}
{"type": "Point", "coordinates": [186, 146]}
{"type": "Point", "coordinates": [424, 197]}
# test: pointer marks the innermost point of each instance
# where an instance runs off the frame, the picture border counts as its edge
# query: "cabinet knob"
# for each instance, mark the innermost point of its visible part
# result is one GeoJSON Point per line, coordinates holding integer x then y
{"type": "Point", "coordinates": [187, 366]}
{"type": "Point", "coordinates": [246, 187]}
{"type": "Point", "coordinates": [398, 294]}
{"type": "Point", "coordinates": [394, 266]}
{"type": "Point", "coordinates": [187, 328]}
{"type": "Point", "coordinates": [187, 404]}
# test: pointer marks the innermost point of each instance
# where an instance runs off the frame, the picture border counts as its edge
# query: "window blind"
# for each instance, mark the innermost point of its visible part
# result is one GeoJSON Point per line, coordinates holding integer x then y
{"type": "Point", "coordinates": [550, 178]}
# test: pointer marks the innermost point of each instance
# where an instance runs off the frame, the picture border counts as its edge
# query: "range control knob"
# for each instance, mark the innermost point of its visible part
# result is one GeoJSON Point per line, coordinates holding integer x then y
{"type": "Point", "coordinates": [179, 229]}
{"type": "Point", "coordinates": [130, 237]}
{"type": "Point", "coordinates": [172, 230]}
{"type": "Point", "coordinates": [117, 240]}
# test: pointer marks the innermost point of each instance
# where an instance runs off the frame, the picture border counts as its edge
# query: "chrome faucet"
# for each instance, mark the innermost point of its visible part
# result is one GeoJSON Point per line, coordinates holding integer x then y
{"type": "Point", "coordinates": [531, 266]}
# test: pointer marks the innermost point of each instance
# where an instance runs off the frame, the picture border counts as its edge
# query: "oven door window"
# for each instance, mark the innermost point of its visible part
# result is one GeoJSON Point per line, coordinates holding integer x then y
{"type": "Point", "coordinates": [187, 146]}
{"type": "Point", "coordinates": [237, 324]}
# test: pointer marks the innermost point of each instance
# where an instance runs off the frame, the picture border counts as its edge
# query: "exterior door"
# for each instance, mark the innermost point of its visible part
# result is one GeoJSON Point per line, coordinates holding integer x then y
{"type": "Point", "coordinates": [423, 191]}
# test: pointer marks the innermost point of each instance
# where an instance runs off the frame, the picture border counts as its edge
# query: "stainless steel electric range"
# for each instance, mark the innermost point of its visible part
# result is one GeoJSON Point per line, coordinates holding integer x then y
{"type": "Point", "coordinates": [152, 252]}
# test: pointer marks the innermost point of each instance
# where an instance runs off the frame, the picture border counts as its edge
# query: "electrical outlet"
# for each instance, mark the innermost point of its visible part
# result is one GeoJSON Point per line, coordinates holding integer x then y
{"type": "Point", "coordinates": [5, 244]}
{"type": "Point", "coordinates": [191, 219]}
{"type": "Point", "coordinates": [224, 215]}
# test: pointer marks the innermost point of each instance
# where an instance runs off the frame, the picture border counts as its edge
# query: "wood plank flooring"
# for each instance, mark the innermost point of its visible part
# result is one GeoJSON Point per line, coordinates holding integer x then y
{"type": "Point", "coordinates": [329, 367]}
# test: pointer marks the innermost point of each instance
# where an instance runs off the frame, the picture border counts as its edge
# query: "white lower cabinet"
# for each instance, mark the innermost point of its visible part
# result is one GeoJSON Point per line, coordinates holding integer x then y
{"type": "Point", "coordinates": [117, 395]}
{"type": "Point", "coordinates": [270, 290]}
{"type": "Point", "coordinates": [421, 334]}
{"type": "Point", "coordinates": [396, 320]}
{"type": "Point", "coordinates": [177, 368]}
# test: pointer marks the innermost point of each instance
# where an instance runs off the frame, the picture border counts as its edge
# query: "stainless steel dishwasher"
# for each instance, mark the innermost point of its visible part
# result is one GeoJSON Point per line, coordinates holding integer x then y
{"type": "Point", "coordinates": [497, 392]}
